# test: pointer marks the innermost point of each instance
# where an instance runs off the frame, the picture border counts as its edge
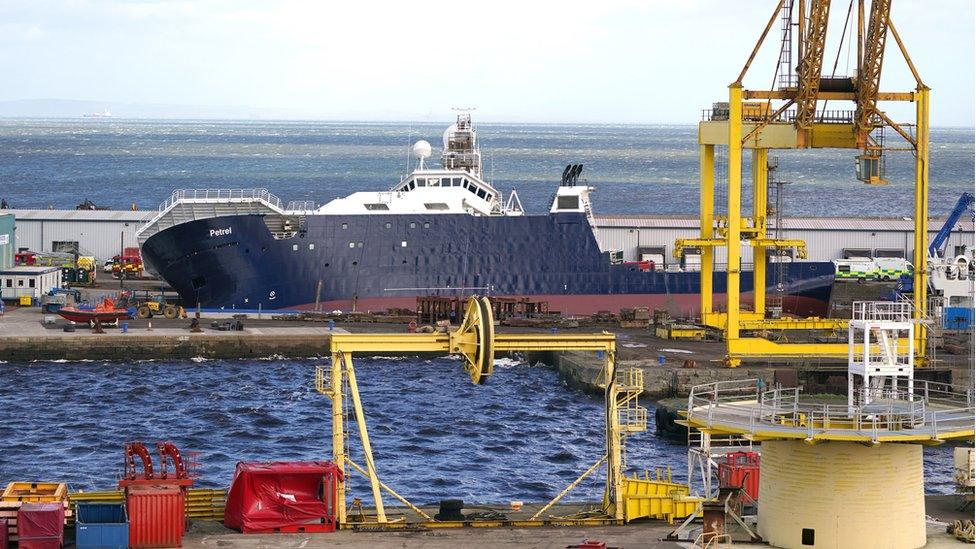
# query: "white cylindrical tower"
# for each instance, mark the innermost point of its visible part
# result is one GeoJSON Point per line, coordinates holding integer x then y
{"type": "Point", "coordinates": [841, 494]}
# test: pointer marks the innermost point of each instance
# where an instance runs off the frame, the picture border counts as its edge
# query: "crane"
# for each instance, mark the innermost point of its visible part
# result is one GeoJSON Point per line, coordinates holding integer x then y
{"type": "Point", "coordinates": [752, 122]}
{"type": "Point", "coordinates": [938, 245]}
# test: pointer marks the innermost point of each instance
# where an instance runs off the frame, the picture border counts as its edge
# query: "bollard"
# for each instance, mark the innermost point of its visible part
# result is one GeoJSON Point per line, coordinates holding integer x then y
{"type": "Point", "coordinates": [149, 327]}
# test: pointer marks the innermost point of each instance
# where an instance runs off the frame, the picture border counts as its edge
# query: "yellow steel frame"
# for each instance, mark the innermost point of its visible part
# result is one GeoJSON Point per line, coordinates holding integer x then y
{"type": "Point", "coordinates": [476, 342]}
{"type": "Point", "coordinates": [733, 228]}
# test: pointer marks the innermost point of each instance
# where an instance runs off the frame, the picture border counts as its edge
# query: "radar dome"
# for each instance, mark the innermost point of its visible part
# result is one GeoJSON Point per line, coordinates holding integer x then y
{"type": "Point", "coordinates": [421, 149]}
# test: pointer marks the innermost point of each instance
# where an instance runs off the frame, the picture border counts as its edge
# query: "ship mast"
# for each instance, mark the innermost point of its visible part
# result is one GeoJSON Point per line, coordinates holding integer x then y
{"type": "Point", "coordinates": [461, 150]}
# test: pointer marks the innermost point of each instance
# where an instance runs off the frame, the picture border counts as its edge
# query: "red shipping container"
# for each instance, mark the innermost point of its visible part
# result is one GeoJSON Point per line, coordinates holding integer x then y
{"type": "Point", "coordinates": [157, 515]}
{"type": "Point", "coordinates": [40, 526]}
{"type": "Point", "coordinates": [741, 469]}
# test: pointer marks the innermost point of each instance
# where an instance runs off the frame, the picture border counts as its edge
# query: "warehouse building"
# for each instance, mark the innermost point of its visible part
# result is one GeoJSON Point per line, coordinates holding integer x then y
{"type": "Point", "coordinates": [827, 238]}
{"type": "Point", "coordinates": [98, 233]}
{"type": "Point", "coordinates": [104, 233]}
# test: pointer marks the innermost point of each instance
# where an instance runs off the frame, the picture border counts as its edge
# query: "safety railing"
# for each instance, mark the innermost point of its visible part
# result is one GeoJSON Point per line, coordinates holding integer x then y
{"type": "Point", "coordinates": [930, 407]}
{"type": "Point", "coordinates": [301, 206]}
{"type": "Point", "coordinates": [213, 196]}
{"type": "Point", "coordinates": [898, 311]}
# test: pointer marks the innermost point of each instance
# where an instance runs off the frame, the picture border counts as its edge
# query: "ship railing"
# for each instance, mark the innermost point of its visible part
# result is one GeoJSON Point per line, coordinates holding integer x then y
{"type": "Point", "coordinates": [930, 408]}
{"type": "Point", "coordinates": [226, 196]}
{"type": "Point", "coordinates": [301, 206]}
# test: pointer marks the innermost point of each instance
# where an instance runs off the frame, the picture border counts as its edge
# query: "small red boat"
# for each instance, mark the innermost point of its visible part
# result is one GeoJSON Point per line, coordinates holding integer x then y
{"type": "Point", "coordinates": [105, 312]}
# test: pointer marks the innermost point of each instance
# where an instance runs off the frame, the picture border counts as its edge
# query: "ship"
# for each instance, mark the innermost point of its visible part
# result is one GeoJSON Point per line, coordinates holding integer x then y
{"type": "Point", "coordinates": [441, 231]}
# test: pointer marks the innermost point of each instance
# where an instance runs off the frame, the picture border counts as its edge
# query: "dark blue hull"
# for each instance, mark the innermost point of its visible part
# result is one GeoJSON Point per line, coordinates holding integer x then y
{"type": "Point", "coordinates": [379, 261]}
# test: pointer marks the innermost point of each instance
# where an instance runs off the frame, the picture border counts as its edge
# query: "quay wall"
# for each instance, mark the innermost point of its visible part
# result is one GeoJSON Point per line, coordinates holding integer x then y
{"type": "Point", "coordinates": [170, 347]}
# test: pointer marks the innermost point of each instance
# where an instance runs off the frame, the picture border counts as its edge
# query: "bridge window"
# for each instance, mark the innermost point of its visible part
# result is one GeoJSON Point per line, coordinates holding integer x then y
{"type": "Point", "coordinates": [567, 203]}
{"type": "Point", "coordinates": [422, 182]}
{"type": "Point", "coordinates": [482, 193]}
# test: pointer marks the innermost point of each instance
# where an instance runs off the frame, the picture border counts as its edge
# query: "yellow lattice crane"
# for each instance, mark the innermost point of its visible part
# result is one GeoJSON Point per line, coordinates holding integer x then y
{"type": "Point", "coordinates": [760, 120]}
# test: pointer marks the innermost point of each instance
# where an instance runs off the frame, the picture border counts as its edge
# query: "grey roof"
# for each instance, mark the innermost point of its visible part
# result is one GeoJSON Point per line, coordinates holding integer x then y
{"type": "Point", "coordinates": [795, 223]}
{"type": "Point", "coordinates": [82, 215]}
{"type": "Point", "coordinates": [29, 270]}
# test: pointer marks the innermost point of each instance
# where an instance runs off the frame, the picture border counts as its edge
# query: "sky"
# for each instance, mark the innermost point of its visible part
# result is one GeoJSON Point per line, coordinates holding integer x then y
{"type": "Point", "coordinates": [607, 61]}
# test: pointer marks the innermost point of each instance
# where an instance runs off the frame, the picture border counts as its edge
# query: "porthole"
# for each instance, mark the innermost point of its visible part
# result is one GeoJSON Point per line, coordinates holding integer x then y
{"type": "Point", "coordinates": [355, 263]}
{"type": "Point", "coordinates": [413, 225]}
{"type": "Point", "coordinates": [294, 247]}
{"type": "Point", "coordinates": [427, 224]}
{"type": "Point", "coordinates": [352, 244]}
{"type": "Point", "coordinates": [326, 264]}
{"type": "Point", "coordinates": [311, 246]}
{"type": "Point", "coordinates": [345, 225]}
{"type": "Point", "coordinates": [403, 243]}
{"type": "Point", "coordinates": [388, 225]}
{"type": "Point", "coordinates": [359, 244]}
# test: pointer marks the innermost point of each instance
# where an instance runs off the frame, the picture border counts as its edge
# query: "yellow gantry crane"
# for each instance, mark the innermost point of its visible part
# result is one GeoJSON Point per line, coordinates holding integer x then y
{"type": "Point", "coordinates": [760, 120]}
{"type": "Point", "coordinates": [476, 341]}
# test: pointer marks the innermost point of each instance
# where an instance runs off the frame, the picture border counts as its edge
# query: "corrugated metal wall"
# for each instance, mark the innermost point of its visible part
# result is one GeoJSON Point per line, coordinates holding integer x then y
{"type": "Point", "coordinates": [100, 238]}
{"type": "Point", "coordinates": [823, 245]}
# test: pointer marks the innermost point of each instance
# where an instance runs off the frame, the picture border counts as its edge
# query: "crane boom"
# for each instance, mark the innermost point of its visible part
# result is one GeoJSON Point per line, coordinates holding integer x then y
{"type": "Point", "coordinates": [869, 77]}
{"type": "Point", "coordinates": [938, 243]}
{"type": "Point", "coordinates": [811, 64]}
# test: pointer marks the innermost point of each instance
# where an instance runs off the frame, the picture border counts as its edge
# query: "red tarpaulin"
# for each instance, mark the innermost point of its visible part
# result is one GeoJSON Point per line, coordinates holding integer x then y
{"type": "Point", "coordinates": [40, 525]}
{"type": "Point", "coordinates": [283, 496]}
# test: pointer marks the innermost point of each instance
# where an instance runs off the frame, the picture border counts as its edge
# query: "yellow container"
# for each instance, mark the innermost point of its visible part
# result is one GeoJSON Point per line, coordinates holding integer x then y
{"type": "Point", "coordinates": [25, 301]}
{"type": "Point", "coordinates": [35, 492]}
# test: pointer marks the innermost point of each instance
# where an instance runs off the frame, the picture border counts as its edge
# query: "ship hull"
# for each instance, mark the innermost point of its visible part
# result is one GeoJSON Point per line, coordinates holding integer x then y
{"type": "Point", "coordinates": [376, 262]}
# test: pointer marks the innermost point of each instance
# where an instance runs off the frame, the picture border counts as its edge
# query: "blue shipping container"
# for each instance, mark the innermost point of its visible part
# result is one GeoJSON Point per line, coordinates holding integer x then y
{"type": "Point", "coordinates": [101, 526]}
{"type": "Point", "coordinates": [957, 318]}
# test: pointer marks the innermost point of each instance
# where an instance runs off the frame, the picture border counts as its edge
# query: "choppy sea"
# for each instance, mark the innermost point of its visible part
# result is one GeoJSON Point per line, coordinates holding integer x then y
{"type": "Point", "coordinates": [522, 436]}
{"type": "Point", "coordinates": [635, 169]}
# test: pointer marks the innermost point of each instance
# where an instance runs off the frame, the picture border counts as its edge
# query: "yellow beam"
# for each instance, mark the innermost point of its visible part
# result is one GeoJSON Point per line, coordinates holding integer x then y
{"type": "Point", "coordinates": [921, 219]}
{"type": "Point", "coordinates": [706, 159]}
{"type": "Point", "coordinates": [783, 243]}
{"type": "Point", "coordinates": [440, 343]}
{"type": "Point", "coordinates": [827, 96]}
{"type": "Point", "coordinates": [832, 324]}
{"type": "Point", "coordinates": [759, 197]}
{"type": "Point", "coordinates": [734, 209]}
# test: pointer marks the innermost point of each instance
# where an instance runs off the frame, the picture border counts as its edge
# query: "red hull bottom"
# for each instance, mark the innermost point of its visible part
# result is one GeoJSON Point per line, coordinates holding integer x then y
{"type": "Point", "coordinates": [680, 306]}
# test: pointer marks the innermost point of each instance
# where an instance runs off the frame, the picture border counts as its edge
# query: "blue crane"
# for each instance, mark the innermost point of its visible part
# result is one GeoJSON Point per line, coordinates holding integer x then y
{"type": "Point", "coordinates": [937, 247]}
